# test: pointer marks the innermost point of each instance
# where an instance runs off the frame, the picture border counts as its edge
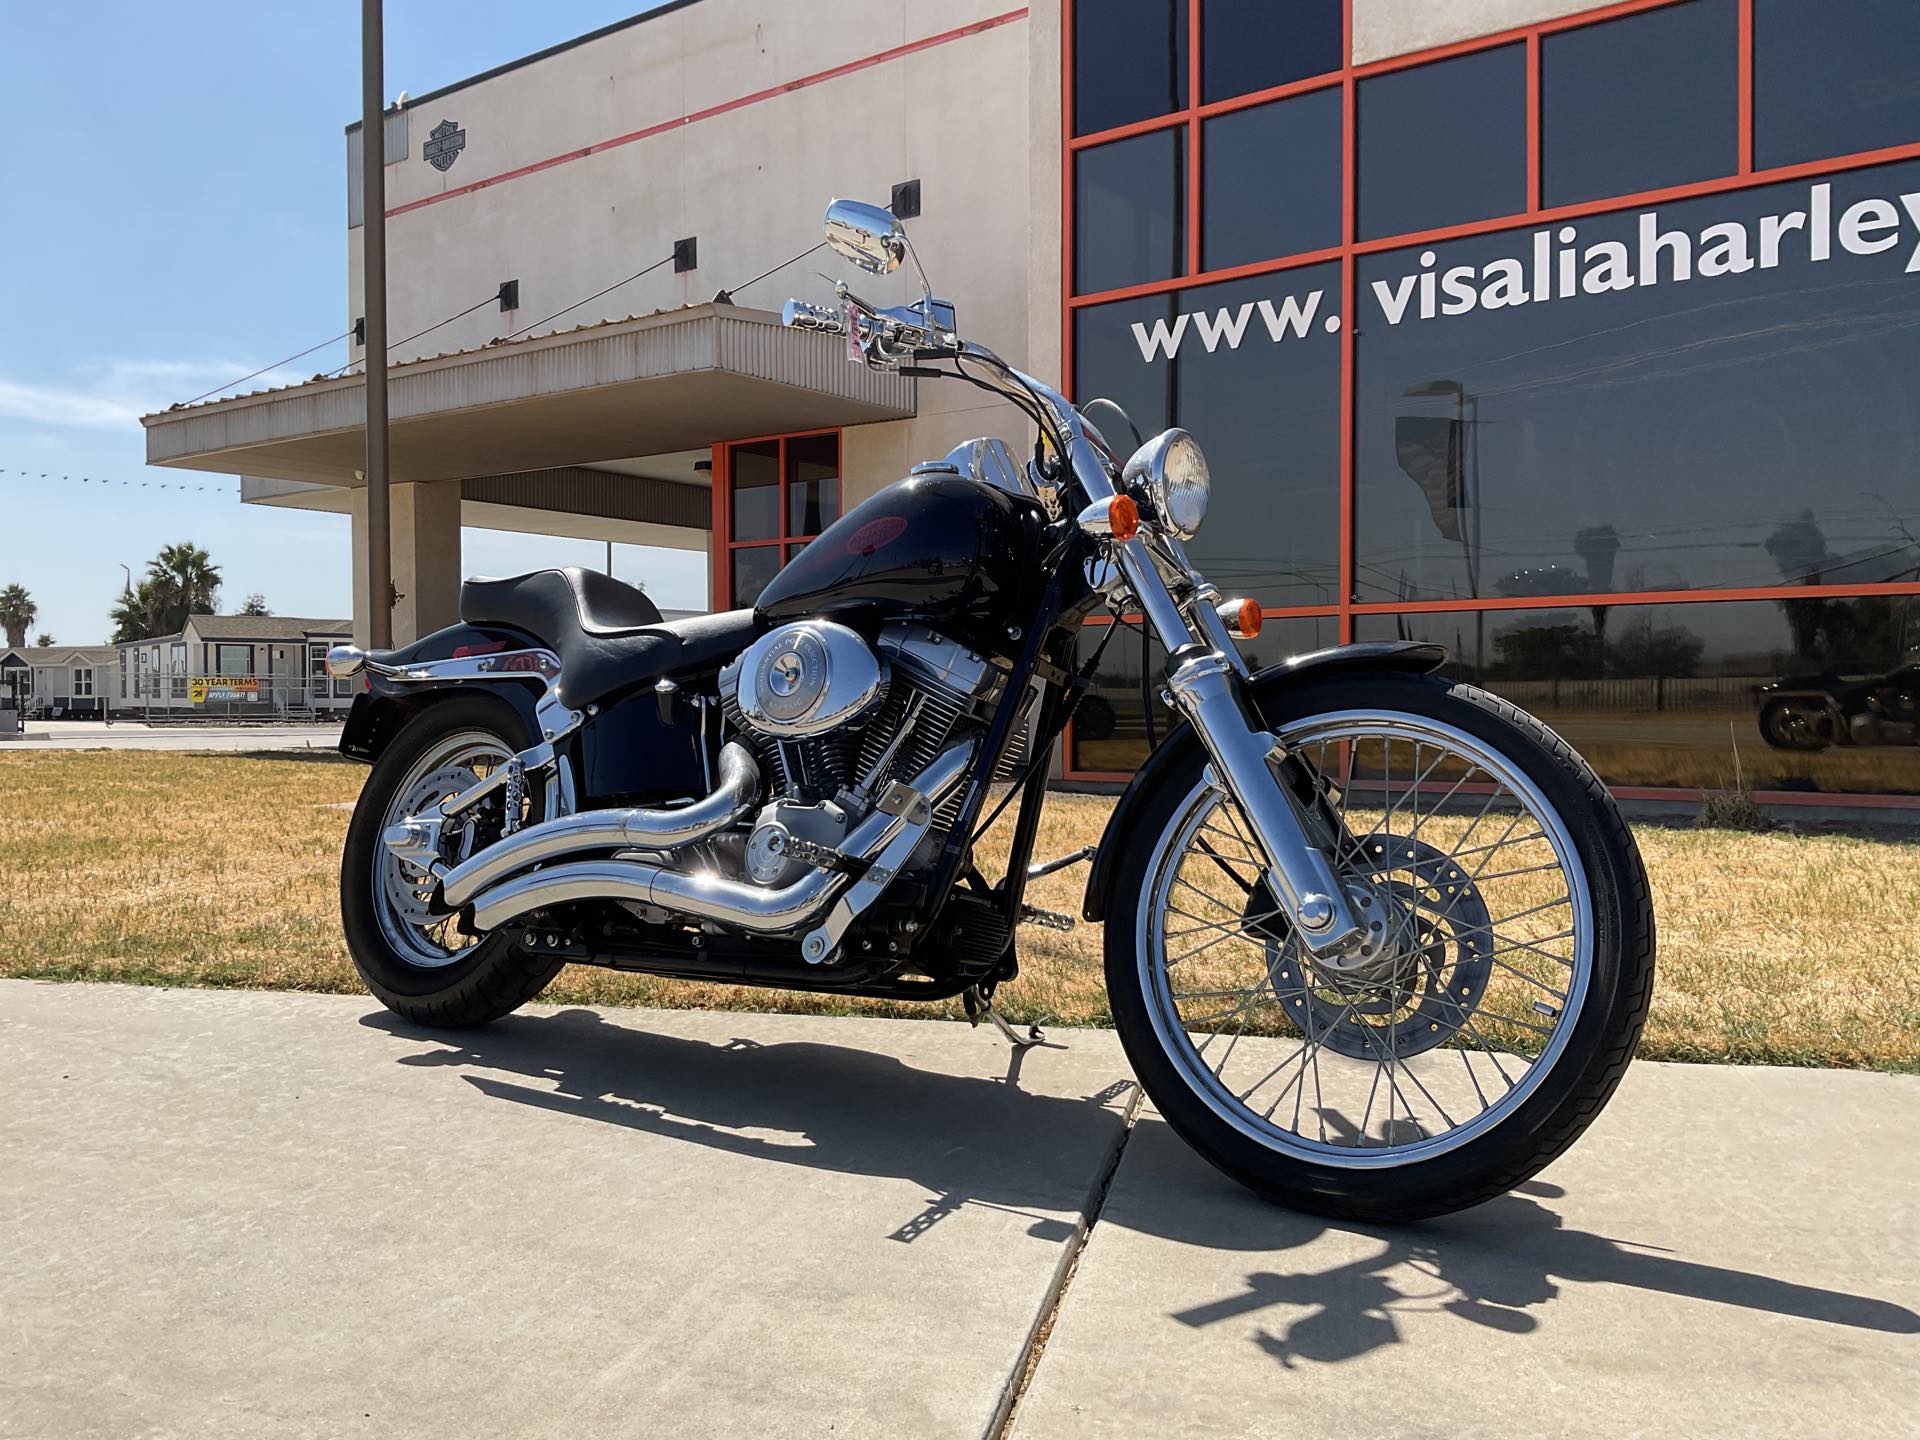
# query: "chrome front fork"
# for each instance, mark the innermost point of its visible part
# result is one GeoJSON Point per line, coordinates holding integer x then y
{"type": "Point", "coordinates": [1206, 678]}
{"type": "Point", "coordinates": [1205, 687]}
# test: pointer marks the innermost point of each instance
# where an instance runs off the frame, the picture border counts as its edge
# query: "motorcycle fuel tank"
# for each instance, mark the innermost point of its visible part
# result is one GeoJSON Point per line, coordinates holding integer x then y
{"type": "Point", "coordinates": [961, 554]}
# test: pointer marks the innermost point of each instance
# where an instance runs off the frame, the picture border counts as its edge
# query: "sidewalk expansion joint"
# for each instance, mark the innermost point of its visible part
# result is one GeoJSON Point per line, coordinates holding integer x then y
{"type": "Point", "coordinates": [1000, 1425]}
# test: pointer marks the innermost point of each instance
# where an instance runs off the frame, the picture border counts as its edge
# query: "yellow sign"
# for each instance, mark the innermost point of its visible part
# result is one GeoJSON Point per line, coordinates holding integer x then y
{"type": "Point", "coordinates": [202, 688]}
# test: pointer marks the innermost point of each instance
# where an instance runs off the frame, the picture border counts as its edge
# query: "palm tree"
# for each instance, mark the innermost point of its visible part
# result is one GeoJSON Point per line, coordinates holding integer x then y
{"type": "Point", "coordinates": [45, 641]}
{"type": "Point", "coordinates": [182, 580]}
{"type": "Point", "coordinates": [135, 614]}
{"type": "Point", "coordinates": [17, 612]}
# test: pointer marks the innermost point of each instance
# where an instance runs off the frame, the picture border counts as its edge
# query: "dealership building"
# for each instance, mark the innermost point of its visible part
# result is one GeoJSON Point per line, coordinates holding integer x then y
{"type": "Point", "coordinates": [1585, 341]}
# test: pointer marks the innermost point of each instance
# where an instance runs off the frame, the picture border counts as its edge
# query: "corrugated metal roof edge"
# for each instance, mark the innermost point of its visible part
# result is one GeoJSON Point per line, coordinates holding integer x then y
{"type": "Point", "coordinates": [346, 381]}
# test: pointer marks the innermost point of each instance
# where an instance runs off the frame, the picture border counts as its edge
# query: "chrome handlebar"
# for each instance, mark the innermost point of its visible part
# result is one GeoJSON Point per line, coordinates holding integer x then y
{"type": "Point", "coordinates": [884, 337]}
{"type": "Point", "coordinates": [799, 315]}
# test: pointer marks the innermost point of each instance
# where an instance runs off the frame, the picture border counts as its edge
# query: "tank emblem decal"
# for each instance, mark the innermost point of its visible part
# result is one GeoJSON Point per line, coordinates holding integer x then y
{"type": "Point", "coordinates": [875, 534]}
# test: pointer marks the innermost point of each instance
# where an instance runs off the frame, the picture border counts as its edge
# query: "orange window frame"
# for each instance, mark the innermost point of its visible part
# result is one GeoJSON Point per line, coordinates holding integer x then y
{"type": "Point", "coordinates": [720, 572]}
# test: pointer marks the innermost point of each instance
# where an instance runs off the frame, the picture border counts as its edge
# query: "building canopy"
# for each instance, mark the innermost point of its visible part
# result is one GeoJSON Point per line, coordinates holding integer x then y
{"type": "Point", "coordinates": [677, 380]}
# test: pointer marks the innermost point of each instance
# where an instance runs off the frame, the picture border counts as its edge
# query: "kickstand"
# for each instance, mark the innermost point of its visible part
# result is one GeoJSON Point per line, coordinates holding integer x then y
{"type": "Point", "coordinates": [980, 1007]}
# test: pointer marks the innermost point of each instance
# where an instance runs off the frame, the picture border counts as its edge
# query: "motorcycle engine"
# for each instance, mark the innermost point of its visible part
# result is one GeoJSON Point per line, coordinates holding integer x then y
{"type": "Point", "coordinates": [833, 720]}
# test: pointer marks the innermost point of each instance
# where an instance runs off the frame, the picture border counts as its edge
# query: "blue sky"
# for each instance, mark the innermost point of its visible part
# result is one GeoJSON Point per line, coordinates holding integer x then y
{"type": "Point", "coordinates": [172, 216]}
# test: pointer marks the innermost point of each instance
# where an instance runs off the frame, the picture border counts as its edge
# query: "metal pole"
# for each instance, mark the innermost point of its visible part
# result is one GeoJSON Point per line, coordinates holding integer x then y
{"type": "Point", "coordinates": [373, 257]}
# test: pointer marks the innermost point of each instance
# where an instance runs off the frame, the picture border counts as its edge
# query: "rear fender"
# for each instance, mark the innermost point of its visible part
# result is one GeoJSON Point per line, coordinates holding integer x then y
{"type": "Point", "coordinates": [1405, 656]}
{"type": "Point", "coordinates": [384, 706]}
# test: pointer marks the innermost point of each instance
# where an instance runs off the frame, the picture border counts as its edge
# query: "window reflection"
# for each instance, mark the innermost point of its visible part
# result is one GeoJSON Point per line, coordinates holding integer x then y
{"type": "Point", "coordinates": [1833, 78]}
{"type": "Point", "coordinates": [1812, 693]}
{"type": "Point", "coordinates": [1640, 103]}
{"type": "Point", "coordinates": [754, 567]}
{"type": "Point", "coordinates": [1292, 146]}
{"type": "Point", "coordinates": [1724, 427]}
{"type": "Point", "coordinates": [1129, 62]}
{"type": "Point", "coordinates": [1443, 143]}
{"type": "Point", "coordinates": [1265, 410]}
{"type": "Point", "coordinates": [1129, 211]}
{"type": "Point", "coordinates": [1248, 45]}
{"type": "Point", "coordinates": [756, 490]}
{"type": "Point", "coordinates": [813, 483]}
{"type": "Point", "coordinates": [1110, 727]}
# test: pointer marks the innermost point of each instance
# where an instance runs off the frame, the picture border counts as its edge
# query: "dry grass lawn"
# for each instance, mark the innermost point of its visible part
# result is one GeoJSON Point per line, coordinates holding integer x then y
{"type": "Point", "coordinates": [221, 870]}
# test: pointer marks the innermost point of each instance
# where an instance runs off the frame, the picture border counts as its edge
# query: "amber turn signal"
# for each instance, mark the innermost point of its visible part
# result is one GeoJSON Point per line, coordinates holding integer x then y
{"type": "Point", "coordinates": [1114, 519]}
{"type": "Point", "coordinates": [1241, 617]}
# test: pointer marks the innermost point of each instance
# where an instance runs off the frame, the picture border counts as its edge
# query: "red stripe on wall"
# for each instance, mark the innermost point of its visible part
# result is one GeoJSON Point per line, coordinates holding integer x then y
{"type": "Point", "coordinates": [866, 62]}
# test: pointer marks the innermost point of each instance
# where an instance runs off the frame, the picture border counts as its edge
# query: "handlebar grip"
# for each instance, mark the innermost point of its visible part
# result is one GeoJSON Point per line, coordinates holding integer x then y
{"type": "Point", "coordinates": [802, 316]}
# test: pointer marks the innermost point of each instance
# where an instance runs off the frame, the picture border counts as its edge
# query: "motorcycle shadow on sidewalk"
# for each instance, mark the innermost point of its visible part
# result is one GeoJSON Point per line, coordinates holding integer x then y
{"type": "Point", "coordinates": [985, 1142]}
{"type": "Point", "coordinates": [1497, 1265]}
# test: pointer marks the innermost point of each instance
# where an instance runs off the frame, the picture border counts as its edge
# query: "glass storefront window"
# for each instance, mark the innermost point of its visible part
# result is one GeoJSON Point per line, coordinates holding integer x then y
{"type": "Point", "coordinates": [1814, 694]}
{"type": "Point", "coordinates": [754, 566]}
{"type": "Point", "coordinates": [813, 483]}
{"type": "Point", "coordinates": [1248, 45]}
{"type": "Point", "coordinates": [1443, 143]}
{"type": "Point", "coordinates": [1110, 727]}
{"type": "Point", "coordinates": [1293, 147]}
{"type": "Point", "coordinates": [1129, 62]}
{"type": "Point", "coordinates": [1712, 393]}
{"type": "Point", "coordinates": [1129, 211]}
{"type": "Point", "coordinates": [1833, 78]}
{"type": "Point", "coordinates": [1640, 103]}
{"type": "Point", "coordinates": [755, 471]}
{"type": "Point", "coordinates": [784, 489]}
{"type": "Point", "coordinates": [1254, 372]}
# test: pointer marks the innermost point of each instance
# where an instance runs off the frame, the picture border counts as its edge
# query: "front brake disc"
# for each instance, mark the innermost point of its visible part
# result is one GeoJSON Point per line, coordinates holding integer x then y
{"type": "Point", "coordinates": [1439, 962]}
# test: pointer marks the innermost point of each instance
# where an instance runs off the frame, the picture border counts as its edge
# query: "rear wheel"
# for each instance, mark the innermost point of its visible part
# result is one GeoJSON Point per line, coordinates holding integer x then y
{"type": "Point", "coordinates": [1796, 725]}
{"type": "Point", "coordinates": [416, 962]}
{"type": "Point", "coordinates": [1492, 1009]}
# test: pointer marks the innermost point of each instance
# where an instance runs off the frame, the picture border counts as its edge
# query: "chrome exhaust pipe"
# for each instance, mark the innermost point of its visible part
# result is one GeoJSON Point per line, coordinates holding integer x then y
{"type": "Point", "coordinates": [699, 893]}
{"type": "Point", "coordinates": [709, 896]}
{"type": "Point", "coordinates": [641, 829]}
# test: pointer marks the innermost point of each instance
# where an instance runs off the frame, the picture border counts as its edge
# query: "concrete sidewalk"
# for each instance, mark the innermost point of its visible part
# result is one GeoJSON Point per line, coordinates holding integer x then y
{"type": "Point", "coordinates": [247, 1214]}
{"type": "Point", "coordinates": [130, 735]}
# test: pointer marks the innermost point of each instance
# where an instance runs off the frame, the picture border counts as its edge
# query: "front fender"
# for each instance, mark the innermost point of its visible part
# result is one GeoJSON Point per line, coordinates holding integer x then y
{"type": "Point", "coordinates": [1406, 656]}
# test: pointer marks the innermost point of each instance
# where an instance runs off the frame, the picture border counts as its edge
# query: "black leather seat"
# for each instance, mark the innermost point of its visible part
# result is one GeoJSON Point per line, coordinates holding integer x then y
{"type": "Point", "coordinates": [609, 636]}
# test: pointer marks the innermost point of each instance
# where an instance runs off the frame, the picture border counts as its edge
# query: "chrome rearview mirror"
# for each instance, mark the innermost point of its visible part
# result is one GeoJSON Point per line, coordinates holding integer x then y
{"type": "Point", "coordinates": [868, 235]}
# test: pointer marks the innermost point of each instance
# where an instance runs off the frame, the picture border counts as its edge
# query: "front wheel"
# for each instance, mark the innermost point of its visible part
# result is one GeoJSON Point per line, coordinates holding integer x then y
{"type": "Point", "coordinates": [1486, 1020]}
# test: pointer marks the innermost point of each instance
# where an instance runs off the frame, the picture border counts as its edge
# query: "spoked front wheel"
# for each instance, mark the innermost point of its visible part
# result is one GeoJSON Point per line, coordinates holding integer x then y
{"type": "Point", "coordinates": [1484, 1021]}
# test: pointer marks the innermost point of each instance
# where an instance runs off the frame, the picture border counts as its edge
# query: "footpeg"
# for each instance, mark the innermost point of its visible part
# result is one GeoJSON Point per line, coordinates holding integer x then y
{"type": "Point", "coordinates": [1045, 919]}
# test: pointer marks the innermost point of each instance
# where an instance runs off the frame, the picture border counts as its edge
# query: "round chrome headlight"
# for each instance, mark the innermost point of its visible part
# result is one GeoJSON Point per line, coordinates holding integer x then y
{"type": "Point", "coordinates": [1174, 471]}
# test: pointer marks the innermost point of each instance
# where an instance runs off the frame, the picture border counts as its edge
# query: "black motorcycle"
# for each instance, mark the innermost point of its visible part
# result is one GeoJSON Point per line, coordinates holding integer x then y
{"type": "Point", "coordinates": [1811, 712]}
{"type": "Point", "coordinates": [1377, 945]}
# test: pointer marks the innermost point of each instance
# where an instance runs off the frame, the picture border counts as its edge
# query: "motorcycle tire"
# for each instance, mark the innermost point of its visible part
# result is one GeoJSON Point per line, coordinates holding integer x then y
{"type": "Point", "coordinates": [400, 963]}
{"type": "Point", "coordinates": [1423, 1176]}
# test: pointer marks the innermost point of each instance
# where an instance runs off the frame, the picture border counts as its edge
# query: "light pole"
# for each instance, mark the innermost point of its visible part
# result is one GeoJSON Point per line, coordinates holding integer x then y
{"type": "Point", "coordinates": [373, 269]}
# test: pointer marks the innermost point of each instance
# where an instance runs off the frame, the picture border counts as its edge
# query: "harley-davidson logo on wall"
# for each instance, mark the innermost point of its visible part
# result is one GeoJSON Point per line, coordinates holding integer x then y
{"type": "Point", "coordinates": [444, 145]}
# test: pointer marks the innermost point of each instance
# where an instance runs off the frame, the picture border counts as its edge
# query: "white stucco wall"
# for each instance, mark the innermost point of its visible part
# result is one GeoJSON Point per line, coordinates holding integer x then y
{"type": "Point", "coordinates": [1382, 28]}
{"type": "Point", "coordinates": [749, 183]}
